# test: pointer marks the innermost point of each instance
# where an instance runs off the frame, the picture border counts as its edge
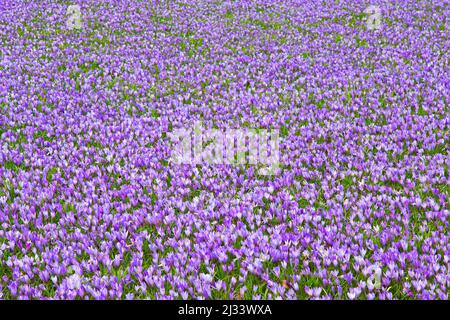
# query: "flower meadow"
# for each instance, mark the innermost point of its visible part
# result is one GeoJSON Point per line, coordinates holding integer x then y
{"type": "Point", "coordinates": [92, 207]}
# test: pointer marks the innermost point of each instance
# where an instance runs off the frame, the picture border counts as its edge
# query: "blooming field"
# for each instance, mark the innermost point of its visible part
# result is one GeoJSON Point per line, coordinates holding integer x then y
{"type": "Point", "coordinates": [91, 206]}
